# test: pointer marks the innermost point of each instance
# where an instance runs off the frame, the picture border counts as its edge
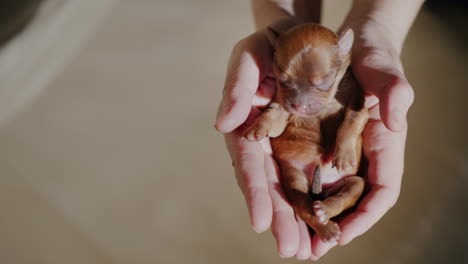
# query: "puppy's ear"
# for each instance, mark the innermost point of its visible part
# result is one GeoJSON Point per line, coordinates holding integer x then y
{"type": "Point", "coordinates": [345, 43]}
{"type": "Point", "coordinates": [273, 36]}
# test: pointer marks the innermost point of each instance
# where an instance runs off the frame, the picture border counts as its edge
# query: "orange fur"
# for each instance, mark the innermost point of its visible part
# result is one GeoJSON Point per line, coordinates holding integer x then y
{"type": "Point", "coordinates": [315, 119]}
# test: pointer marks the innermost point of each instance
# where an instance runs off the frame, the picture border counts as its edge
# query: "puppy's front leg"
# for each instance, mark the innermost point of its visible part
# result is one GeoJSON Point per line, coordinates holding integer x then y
{"type": "Point", "coordinates": [347, 151]}
{"type": "Point", "coordinates": [271, 123]}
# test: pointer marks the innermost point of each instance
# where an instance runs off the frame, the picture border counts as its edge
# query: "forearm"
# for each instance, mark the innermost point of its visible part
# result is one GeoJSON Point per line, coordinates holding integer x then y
{"type": "Point", "coordinates": [266, 12]}
{"type": "Point", "coordinates": [395, 17]}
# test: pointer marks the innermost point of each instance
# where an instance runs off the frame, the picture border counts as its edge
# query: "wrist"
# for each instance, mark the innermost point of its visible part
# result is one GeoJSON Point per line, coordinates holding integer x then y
{"type": "Point", "coordinates": [390, 20]}
{"type": "Point", "coordinates": [371, 32]}
{"type": "Point", "coordinates": [267, 12]}
{"type": "Point", "coordinates": [374, 43]}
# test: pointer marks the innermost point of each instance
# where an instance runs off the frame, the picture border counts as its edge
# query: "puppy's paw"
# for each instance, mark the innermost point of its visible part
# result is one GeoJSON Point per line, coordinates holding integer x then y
{"type": "Point", "coordinates": [344, 158]}
{"type": "Point", "coordinates": [257, 132]}
{"type": "Point", "coordinates": [330, 232]}
{"type": "Point", "coordinates": [321, 212]}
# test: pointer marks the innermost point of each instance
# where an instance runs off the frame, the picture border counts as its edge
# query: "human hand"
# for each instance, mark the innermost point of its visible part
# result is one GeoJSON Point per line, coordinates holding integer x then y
{"type": "Point", "coordinates": [377, 66]}
{"type": "Point", "coordinates": [250, 86]}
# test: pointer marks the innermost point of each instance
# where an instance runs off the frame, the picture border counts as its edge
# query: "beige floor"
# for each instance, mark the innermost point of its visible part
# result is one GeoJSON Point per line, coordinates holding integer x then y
{"type": "Point", "coordinates": [117, 161]}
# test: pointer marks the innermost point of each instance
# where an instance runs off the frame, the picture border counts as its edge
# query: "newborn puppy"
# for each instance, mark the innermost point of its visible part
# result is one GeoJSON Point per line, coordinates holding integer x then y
{"type": "Point", "coordinates": [315, 121]}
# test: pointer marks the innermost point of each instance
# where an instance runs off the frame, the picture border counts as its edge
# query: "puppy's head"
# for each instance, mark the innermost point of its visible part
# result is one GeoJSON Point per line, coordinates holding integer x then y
{"type": "Point", "coordinates": [309, 59]}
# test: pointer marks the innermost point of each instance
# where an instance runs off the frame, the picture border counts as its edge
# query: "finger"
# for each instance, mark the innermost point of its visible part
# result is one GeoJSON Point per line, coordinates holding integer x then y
{"type": "Point", "coordinates": [371, 100]}
{"type": "Point", "coordinates": [265, 92]}
{"type": "Point", "coordinates": [305, 251]}
{"type": "Point", "coordinates": [320, 248]}
{"type": "Point", "coordinates": [284, 226]}
{"type": "Point", "coordinates": [242, 80]}
{"type": "Point", "coordinates": [380, 72]}
{"type": "Point", "coordinates": [395, 99]}
{"type": "Point", "coordinates": [369, 212]}
{"type": "Point", "coordinates": [250, 174]}
{"type": "Point", "coordinates": [384, 177]}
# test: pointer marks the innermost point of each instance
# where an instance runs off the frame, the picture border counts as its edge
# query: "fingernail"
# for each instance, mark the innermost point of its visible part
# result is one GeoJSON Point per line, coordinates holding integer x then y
{"type": "Point", "coordinates": [218, 113]}
{"type": "Point", "coordinates": [257, 229]}
{"type": "Point", "coordinates": [216, 126]}
{"type": "Point", "coordinates": [314, 258]}
{"type": "Point", "coordinates": [224, 125]}
{"type": "Point", "coordinates": [287, 252]}
{"type": "Point", "coordinates": [222, 110]}
{"type": "Point", "coordinates": [398, 118]}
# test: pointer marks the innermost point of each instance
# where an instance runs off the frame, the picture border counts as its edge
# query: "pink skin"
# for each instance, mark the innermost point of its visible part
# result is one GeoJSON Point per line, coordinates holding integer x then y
{"type": "Point", "coordinates": [249, 85]}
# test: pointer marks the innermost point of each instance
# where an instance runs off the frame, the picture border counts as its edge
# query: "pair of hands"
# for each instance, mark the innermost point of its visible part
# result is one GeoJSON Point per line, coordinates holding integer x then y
{"type": "Point", "coordinates": [250, 85]}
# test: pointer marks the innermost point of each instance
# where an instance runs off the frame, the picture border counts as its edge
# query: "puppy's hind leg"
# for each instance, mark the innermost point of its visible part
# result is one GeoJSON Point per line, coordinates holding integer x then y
{"type": "Point", "coordinates": [339, 198]}
{"type": "Point", "coordinates": [296, 189]}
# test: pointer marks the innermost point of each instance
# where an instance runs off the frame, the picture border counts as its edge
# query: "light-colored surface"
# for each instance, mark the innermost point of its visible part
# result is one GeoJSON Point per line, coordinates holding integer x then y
{"type": "Point", "coordinates": [33, 58]}
{"type": "Point", "coordinates": [117, 161]}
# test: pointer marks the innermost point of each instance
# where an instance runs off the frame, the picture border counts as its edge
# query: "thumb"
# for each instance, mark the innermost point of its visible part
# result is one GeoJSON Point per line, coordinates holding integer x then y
{"type": "Point", "coordinates": [395, 99]}
{"type": "Point", "coordinates": [242, 80]}
{"type": "Point", "coordinates": [380, 73]}
{"type": "Point", "coordinates": [383, 77]}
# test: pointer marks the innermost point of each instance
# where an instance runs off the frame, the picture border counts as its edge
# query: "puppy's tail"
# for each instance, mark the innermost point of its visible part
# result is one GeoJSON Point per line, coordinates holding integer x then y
{"type": "Point", "coordinates": [317, 181]}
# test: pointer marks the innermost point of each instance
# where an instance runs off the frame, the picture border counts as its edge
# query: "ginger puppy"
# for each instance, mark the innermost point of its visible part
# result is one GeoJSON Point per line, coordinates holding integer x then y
{"type": "Point", "coordinates": [315, 121]}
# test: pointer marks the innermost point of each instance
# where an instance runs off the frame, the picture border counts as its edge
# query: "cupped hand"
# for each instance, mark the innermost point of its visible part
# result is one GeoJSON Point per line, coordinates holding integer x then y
{"type": "Point", "coordinates": [377, 67]}
{"type": "Point", "coordinates": [249, 87]}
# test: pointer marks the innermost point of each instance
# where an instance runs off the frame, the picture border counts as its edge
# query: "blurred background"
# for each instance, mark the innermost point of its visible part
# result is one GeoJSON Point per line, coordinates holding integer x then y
{"type": "Point", "coordinates": [108, 152]}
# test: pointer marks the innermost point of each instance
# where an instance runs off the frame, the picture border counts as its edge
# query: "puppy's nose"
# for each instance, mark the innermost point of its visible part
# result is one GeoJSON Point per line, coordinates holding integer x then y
{"type": "Point", "coordinates": [301, 108]}
{"type": "Point", "coordinates": [317, 81]}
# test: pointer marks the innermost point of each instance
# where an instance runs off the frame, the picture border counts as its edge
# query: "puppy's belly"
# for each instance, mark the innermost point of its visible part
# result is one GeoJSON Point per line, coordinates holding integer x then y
{"type": "Point", "coordinates": [305, 156]}
{"type": "Point", "coordinates": [330, 176]}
